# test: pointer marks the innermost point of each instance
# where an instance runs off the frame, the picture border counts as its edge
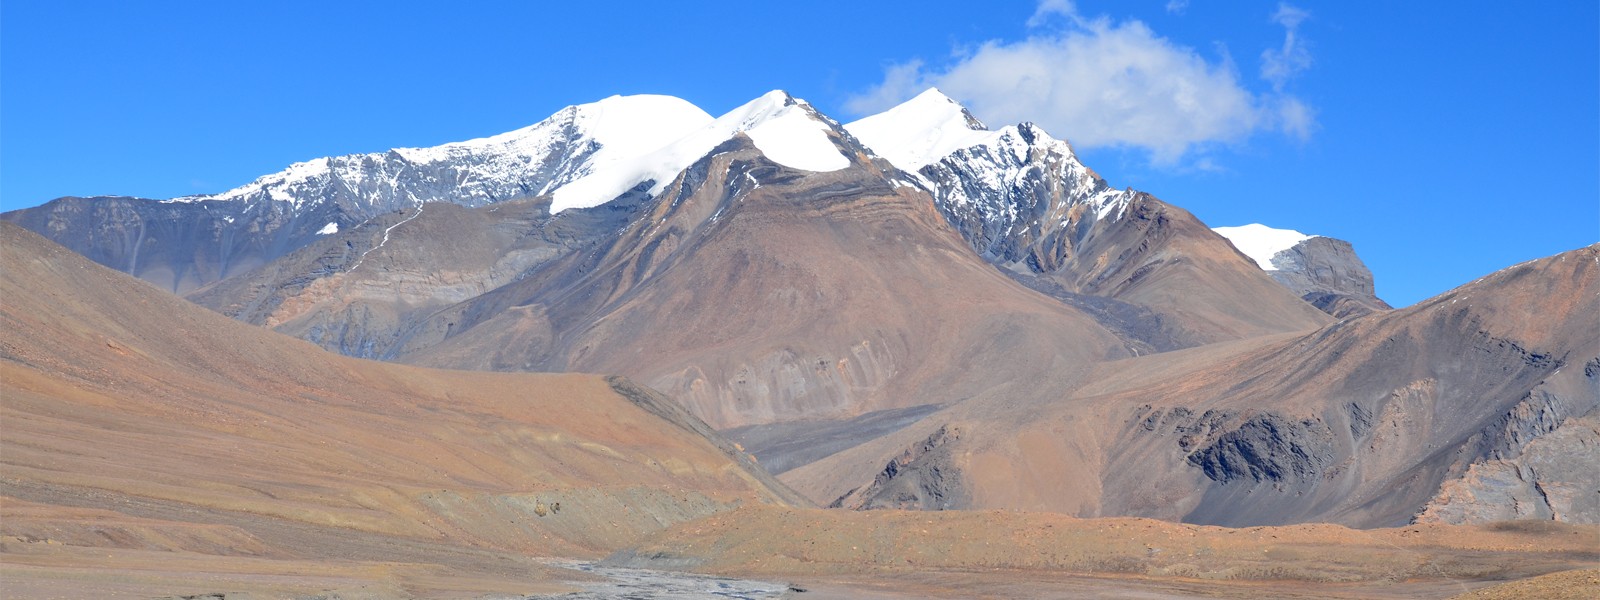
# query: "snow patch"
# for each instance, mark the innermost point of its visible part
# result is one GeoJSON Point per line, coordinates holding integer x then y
{"type": "Point", "coordinates": [329, 229]}
{"type": "Point", "coordinates": [794, 139]}
{"type": "Point", "coordinates": [1260, 242]}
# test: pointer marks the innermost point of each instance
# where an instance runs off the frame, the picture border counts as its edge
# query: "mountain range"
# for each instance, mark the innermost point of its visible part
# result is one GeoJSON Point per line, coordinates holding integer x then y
{"type": "Point", "coordinates": [909, 311]}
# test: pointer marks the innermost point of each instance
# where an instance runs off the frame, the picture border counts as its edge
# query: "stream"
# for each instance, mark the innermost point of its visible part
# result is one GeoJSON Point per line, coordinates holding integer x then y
{"type": "Point", "coordinates": [646, 584]}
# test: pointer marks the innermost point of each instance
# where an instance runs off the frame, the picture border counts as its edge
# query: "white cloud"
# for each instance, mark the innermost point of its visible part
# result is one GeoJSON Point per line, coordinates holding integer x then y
{"type": "Point", "coordinates": [1103, 84]}
{"type": "Point", "coordinates": [1279, 65]}
{"type": "Point", "coordinates": [1052, 8]}
{"type": "Point", "coordinates": [1177, 6]}
{"type": "Point", "coordinates": [1294, 117]}
{"type": "Point", "coordinates": [900, 82]}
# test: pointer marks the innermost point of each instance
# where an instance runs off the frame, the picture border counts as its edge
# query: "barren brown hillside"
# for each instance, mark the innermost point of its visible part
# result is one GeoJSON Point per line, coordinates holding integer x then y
{"type": "Point", "coordinates": [163, 434]}
{"type": "Point", "coordinates": [1473, 406]}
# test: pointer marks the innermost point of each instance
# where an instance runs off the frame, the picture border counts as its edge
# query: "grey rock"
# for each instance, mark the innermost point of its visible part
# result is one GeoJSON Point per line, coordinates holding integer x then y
{"type": "Point", "coordinates": [1268, 447]}
{"type": "Point", "coordinates": [1327, 273]}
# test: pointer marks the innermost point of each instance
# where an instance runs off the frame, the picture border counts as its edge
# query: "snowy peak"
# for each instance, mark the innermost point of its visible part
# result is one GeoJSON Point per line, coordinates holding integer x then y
{"type": "Point", "coordinates": [786, 129]}
{"type": "Point", "coordinates": [921, 130]}
{"type": "Point", "coordinates": [797, 137]}
{"type": "Point", "coordinates": [620, 124]}
{"type": "Point", "coordinates": [1260, 242]}
{"type": "Point", "coordinates": [528, 161]}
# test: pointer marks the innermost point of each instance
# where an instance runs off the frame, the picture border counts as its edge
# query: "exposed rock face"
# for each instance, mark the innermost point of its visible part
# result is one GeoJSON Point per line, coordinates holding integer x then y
{"type": "Point", "coordinates": [1327, 273]}
{"type": "Point", "coordinates": [923, 477]}
{"type": "Point", "coordinates": [1267, 447]}
{"type": "Point", "coordinates": [1536, 461]}
{"type": "Point", "coordinates": [1553, 479]}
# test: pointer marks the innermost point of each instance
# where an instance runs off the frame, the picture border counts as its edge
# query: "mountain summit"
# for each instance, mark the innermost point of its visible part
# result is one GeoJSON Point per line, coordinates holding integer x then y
{"type": "Point", "coordinates": [921, 131]}
{"type": "Point", "coordinates": [787, 130]}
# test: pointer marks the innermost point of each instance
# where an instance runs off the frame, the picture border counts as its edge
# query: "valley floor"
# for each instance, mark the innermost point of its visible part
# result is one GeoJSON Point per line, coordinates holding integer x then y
{"type": "Point", "coordinates": [774, 552]}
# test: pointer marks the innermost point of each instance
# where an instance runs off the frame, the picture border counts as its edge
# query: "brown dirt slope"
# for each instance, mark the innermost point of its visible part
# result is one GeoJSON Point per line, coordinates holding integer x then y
{"type": "Point", "coordinates": [139, 426]}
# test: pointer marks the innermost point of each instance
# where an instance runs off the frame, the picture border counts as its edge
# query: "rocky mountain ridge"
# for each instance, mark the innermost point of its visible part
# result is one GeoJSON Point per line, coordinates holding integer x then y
{"type": "Point", "coordinates": [1026, 203]}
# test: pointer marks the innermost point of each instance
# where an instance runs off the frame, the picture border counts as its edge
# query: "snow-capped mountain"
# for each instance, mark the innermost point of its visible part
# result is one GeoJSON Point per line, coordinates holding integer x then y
{"type": "Point", "coordinates": [569, 145]}
{"type": "Point", "coordinates": [428, 260]}
{"type": "Point", "coordinates": [1006, 190]}
{"type": "Point", "coordinates": [1025, 202]}
{"type": "Point", "coordinates": [185, 243]}
{"type": "Point", "coordinates": [773, 267]}
{"type": "Point", "coordinates": [1021, 198]}
{"type": "Point", "coordinates": [1324, 271]}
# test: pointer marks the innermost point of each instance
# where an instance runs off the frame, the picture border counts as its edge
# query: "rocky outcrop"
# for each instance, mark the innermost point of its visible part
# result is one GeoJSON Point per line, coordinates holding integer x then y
{"type": "Point", "coordinates": [1327, 273]}
{"type": "Point", "coordinates": [1552, 479]}
{"type": "Point", "coordinates": [1537, 461]}
{"type": "Point", "coordinates": [923, 477]}
{"type": "Point", "coordinates": [1268, 447]}
{"type": "Point", "coordinates": [1230, 445]}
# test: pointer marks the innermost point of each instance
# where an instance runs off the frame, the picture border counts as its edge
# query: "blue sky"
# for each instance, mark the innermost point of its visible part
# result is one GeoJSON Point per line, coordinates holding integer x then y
{"type": "Point", "coordinates": [1446, 140]}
